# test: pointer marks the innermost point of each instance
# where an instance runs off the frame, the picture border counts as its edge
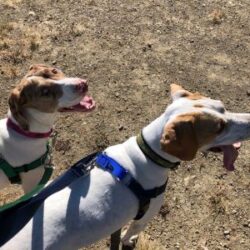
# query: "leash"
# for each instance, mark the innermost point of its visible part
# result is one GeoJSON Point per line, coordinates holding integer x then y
{"type": "Point", "coordinates": [13, 219]}
{"type": "Point", "coordinates": [115, 240]}
{"type": "Point", "coordinates": [20, 213]}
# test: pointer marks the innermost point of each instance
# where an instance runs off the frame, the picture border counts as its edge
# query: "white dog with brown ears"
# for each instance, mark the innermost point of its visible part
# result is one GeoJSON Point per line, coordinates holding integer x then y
{"type": "Point", "coordinates": [33, 105]}
{"type": "Point", "coordinates": [93, 207]}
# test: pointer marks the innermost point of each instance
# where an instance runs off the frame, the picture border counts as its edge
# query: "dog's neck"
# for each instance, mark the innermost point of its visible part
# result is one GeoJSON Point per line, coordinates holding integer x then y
{"type": "Point", "coordinates": [39, 122]}
{"type": "Point", "coordinates": [152, 135]}
{"type": "Point", "coordinates": [128, 154]}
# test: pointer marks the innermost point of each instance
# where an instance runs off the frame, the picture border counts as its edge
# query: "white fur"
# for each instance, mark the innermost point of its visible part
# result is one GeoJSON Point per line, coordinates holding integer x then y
{"type": "Point", "coordinates": [18, 150]}
{"type": "Point", "coordinates": [95, 206]}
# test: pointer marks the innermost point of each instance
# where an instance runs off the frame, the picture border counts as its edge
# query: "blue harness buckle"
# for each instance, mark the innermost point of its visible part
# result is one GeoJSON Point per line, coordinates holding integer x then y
{"type": "Point", "coordinates": [106, 163]}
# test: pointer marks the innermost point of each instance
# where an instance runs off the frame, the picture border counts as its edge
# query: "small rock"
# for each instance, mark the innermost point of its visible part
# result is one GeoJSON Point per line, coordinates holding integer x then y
{"type": "Point", "coordinates": [234, 211]}
{"type": "Point", "coordinates": [32, 13]}
{"type": "Point", "coordinates": [117, 94]}
{"type": "Point", "coordinates": [121, 127]}
{"type": "Point", "coordinates": [54, 62]}
{"type": "Point", "coordinates": [189, 179]}
{"type": "Point", "coordinates": [248, 92]}
{"type": "Point", "coordinates": [226, 232]}
{"type": "Point", "coordinates": [149, 46]}
{"type": "Point", "coordinates": [246, 224]}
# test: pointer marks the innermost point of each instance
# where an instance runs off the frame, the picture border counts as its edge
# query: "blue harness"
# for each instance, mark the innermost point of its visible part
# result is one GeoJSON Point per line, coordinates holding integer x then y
{"type": "Point", "coordinates": [14, 218]}
{"type": "Point", "coordinates": [144, 196]}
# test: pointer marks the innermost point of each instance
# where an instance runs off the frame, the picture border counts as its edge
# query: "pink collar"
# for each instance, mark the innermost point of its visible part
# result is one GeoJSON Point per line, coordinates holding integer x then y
{"type": "Point", "coordinates": [14, 126]}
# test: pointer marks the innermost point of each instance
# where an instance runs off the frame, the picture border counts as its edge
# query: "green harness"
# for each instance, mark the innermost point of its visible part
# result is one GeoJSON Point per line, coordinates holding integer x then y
{"type": "Point", "coordinates": [13, 173]}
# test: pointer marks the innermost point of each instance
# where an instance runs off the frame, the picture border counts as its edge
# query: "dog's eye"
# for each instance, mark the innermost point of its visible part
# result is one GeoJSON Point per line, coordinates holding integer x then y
{"type": "Point", "coordinates": [45, 92]}
{"type": "Point", "coordinates": [54, 71]}
{"type": "Point", "coordinates": [221, 126]}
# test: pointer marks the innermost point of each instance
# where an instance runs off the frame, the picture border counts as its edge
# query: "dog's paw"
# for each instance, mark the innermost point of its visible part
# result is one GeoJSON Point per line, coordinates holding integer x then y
{"type": "Point", "coordinates": [129, 242]}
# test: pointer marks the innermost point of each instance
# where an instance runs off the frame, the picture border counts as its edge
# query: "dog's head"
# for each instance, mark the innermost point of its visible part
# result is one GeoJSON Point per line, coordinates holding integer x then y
{"type": "Point", "coordinates": [196, 122]}
{"type": "Point", "coordinates": [47, 90]}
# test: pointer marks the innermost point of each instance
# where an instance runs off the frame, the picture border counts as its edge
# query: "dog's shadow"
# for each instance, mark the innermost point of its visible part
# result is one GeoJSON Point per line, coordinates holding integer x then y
{"type": "Point", "coordinates": [72, 214]}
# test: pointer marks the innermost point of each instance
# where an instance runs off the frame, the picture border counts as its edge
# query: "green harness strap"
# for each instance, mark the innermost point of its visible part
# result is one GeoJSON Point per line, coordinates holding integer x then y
{"type": "Point", "coordinates": [13, 173]}
{"type": "Point", "coordinates": [14, 177]}
{"type": "Point", "coordinates": [46, 176]}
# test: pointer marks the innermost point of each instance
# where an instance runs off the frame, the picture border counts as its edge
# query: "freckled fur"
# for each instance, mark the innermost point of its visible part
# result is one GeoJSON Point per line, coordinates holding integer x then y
{"type": "Point", "coordinates": [36, 113]}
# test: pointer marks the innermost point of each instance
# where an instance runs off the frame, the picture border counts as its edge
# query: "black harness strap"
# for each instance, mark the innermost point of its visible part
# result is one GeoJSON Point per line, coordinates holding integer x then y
{"type": "Point", "coordinates": [144, 196]}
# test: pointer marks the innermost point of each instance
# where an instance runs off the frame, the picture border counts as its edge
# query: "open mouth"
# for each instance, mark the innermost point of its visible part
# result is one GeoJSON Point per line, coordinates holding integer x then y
{"type": "Point", "coordinates": [230, 154]}
{"type": "Point", "coordinates": [87, 104]}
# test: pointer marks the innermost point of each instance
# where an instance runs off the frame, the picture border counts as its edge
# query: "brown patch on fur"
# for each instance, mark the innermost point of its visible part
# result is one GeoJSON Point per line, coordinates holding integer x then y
{"type": "Point", "coordinates": [195, 96]}
{"type": "Point", "coordinates": [198, 106]}
{"type": "Point", "coordinates": [175, 88]}
{"type": "Point", "coordinates": [36, 92]}
{"type": "Point", "coordinates": [187, 133]}
{"type": "Point", "coordinates": [45, 71]}
{"type": "Point", "coordinates": [16, 102]}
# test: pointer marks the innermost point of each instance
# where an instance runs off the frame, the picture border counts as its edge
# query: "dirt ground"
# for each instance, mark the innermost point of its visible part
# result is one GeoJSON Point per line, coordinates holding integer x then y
{"type": "Point", "coordinates": [130, 51]}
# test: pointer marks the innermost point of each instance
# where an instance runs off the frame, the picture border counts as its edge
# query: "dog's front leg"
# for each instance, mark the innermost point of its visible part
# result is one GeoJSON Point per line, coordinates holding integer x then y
{"type": "Point", "coordinates": [130, 236]}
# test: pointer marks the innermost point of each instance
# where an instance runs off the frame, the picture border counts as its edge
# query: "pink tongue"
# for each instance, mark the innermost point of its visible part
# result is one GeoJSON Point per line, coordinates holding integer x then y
{"type": "Point", "coordinates": [230, 154]}
{"type": "Point", "coordinates": [87, 102]}
{"type": "Point", "coordinates": [85, 105]}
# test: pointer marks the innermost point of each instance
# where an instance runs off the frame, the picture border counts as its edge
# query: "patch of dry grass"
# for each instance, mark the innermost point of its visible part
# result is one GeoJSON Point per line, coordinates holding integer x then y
{"type": "Point", "coordinates": [145, 243]}
{"type": "Point", "coordinates": [17, 44]}
{"type": "Point", "coordinates": [11, 3]}
{"type": "Point", "coordinates": [14, 192]}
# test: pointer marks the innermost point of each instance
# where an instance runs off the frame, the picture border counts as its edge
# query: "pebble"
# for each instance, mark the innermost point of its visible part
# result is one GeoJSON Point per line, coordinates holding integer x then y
{"type": "Point", "coordinates": [121, 127]}
{"type": "Point", "coordinates": [32, 13]}
{"type": "Point", "coordinates": [226, 232]}
{"type": "Point", "coordinates": [248, 92]}
{"type": "Point", "coordinates": [234, 212]}
{"type": "Point", "coordinates": [246, 224]}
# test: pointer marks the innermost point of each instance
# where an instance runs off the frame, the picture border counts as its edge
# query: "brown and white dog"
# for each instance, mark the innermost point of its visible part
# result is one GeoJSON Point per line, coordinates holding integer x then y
{"type": "Point", "coordinates": [93, 207]}
{"type": "Point", "coordinates": [33, 105]}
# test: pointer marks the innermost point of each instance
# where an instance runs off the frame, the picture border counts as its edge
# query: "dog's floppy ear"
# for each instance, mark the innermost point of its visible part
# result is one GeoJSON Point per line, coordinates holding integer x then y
{"type": "Point", "coordinates": [187, 133]}
{"type": "Point", "coordinates": [177, 91]}
{"type": "Point", "coordinates": [16, 104]}
{"type": "Point", "coordinates": [179, 138]}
